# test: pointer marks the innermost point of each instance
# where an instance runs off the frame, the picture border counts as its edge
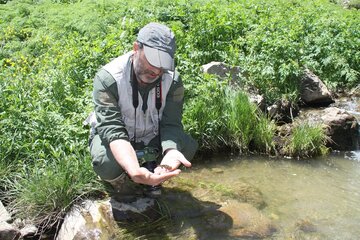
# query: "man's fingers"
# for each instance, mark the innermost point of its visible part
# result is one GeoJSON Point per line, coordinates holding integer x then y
{"type": "Point", "coordinates": [185, 162]}
{"type": "Point", "coordinates": [165, 176]}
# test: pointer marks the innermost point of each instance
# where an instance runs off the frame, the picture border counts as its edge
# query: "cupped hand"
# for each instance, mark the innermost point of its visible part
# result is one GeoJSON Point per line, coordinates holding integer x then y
{"type": "Point", "coordinates": [171, 161]}
{"type": "Point", "coordinates": [144, 176]}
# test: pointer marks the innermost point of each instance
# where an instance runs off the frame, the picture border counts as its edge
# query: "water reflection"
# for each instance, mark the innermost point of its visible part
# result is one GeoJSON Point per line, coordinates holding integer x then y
{"type": "Point", "coordinates": [319, 195]}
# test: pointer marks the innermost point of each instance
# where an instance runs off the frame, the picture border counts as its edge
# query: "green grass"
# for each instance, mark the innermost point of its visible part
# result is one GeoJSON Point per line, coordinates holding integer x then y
{"type": "Point", "coordinates": [307, 141]}
{"type": "Point", "coordinates": [247, 126]}
{"type": "Point", "coordinates": [226, 118]}
{"type": "Point", "coordinates": [47, 190]}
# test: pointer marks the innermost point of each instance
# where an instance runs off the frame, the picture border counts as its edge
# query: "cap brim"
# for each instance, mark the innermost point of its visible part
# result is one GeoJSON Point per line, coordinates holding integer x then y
{"type": "Point", "coordinates": [159, 58]}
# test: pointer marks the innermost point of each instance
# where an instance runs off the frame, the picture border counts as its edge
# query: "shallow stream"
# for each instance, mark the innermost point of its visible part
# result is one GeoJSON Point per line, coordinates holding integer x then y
{"type": "Point", "coordinates": [313, 199]}
{"type": "Point", "coordinates": [324, 192]}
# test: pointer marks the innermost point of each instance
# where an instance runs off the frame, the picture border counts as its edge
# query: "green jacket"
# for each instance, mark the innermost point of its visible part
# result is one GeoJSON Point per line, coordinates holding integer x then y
{"type": "Point", "coordinates": [110, 126]}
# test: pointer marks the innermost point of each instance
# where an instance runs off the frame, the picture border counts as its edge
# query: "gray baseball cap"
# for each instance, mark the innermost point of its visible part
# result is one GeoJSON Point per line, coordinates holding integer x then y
{"type": "Point", "coordinates": [159, 45]}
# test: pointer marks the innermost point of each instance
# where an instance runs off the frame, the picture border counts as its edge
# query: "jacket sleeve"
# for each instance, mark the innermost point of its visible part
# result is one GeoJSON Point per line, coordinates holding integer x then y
{"type": "Point", "coordinates": [171, 122]}
{"type": "Point", "coordinates": [109, 125]}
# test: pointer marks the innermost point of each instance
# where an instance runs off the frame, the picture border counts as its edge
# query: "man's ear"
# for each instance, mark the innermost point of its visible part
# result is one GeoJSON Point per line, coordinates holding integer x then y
{"type": "Point", "coordinates": [136, 46]}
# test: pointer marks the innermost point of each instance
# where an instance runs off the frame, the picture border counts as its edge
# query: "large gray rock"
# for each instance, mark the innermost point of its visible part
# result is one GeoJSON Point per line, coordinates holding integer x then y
{"type": "Point", "coordinates": [94, 220]}
{"type": "Point", "coordinates": [341, 127]}
{"type": "Point", "coordinates": [91, 220]}
{"type": "Point", "coordinates": [313, 91]}
{"type": "Point", "coordinates": [222, 70]}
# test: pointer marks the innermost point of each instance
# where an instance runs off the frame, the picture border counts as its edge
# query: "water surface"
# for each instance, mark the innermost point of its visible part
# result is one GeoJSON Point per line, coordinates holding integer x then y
{"type": "Point", "coordinates": [323, 192]}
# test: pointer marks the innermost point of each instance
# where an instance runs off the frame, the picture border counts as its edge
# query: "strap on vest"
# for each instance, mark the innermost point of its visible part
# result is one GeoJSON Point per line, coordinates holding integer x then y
{"type": "Point", "coordinates": [158, 95]}
{"type": "Point", "coordinates": [135, 100]}
{"type": "Point", "coordinates": [135, 97]}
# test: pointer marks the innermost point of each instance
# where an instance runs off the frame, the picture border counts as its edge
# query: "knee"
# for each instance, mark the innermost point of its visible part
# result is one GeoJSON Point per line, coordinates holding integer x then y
{"type": "Point", "coordinates": [103, 161]}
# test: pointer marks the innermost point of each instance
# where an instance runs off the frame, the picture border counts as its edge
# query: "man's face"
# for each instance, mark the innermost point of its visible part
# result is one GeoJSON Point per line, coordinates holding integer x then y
{"type": "Point", "coordinates": [144, 71]}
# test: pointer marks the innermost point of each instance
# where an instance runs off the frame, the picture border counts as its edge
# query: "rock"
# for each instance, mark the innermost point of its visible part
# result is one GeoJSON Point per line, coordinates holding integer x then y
{"type": "Point", "coordinates": [247, 221]}
{"type": "Point", "coordinates": [26, 227]}
{"type": "Point", "coordinates": [218, 221]}
{"type": "Point", "coordinates": [222, 70]}
{"type": "Point", "coordinates": [259, 100]}
{"type": "Point", "coordinates": [210, 191]}
{"type": "Point", "coordinates": [8, 232]}
{"type": "Point", "coordinates": [313, 91]}
{"type": "Point", "coordinates": [28, 230]}
{"type": "Point", "coordinates": [283, 111]}
{"type": "Point", "coordinates": [305, 225]}
{"type": "Point", "coordinates": [354, 5]}
{"type": "Point", "coordinates": [249, 194]}
{"type": "Point", "coordinates": [90, 220]}
{"type": "Point", "coordinates": [4, 215]}
{"type": "Point", "coordinates": [95, 220]}
{"type": "Point", "coordinates": [343, 129]}
{"type": "Point", "coordinates": [184, 204]}
{"type": "Point", "coordinates": [355, 91]}
{"type": "Point", "coordinates": [140, 210]}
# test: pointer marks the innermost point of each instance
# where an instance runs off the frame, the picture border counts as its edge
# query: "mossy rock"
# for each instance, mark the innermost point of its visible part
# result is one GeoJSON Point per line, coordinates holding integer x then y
{"type": "Point", "coordinates": [210, 191]}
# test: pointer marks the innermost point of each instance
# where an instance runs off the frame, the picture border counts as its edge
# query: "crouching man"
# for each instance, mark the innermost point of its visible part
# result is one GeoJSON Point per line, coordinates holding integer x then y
{"type": "Point", "coordinates": [137, 124]}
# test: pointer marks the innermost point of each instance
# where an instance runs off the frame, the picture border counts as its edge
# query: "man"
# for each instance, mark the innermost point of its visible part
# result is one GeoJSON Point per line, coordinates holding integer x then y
{"type": "Point", "coordinates": [138, 101]}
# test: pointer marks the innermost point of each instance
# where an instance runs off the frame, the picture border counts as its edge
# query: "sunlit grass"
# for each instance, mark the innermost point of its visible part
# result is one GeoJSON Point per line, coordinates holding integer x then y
{"type": "Point", "coordinates": [307, 141]}
{"type": "Point", "coordinates": [47, 190]}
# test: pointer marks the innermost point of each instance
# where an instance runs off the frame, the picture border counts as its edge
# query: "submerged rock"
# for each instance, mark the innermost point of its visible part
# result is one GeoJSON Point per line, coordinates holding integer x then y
{"type": "Point", "coordinates": [211, 191]}
{"type": "Point", "coordinates": [247, 221]}
{"type": "Point", "coordinates": [305, 225]}
{"type": "Point", "coordinates": [142, 209]}
{"type": "Point", "coordinates": [218, 221]}
{"type": "Point", "coordinates": [249, 194]}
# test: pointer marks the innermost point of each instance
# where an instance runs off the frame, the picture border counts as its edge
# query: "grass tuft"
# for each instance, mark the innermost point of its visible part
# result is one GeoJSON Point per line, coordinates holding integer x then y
{"type": "Point", "coordinates": [306, 141]}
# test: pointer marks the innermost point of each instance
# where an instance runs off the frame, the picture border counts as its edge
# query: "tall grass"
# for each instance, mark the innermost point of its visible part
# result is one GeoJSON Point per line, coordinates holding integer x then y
{"type": "Point", "coordinates": [205, 118]}
{"type": "Point", "coordinates": [44, 192]}
{"type": "Point", "coordinates": [306, 141]}
{"type": "Point", "coordinates": [227, 118]}
{"type": "Point", "coordinates": [247, 126]}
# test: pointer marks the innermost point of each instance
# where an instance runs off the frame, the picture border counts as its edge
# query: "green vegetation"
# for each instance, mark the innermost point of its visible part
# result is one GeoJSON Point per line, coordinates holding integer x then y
{"type": "Point", "coordinates": [50, 51]}
{"type": "Point", "coordinates": [223, 116]}
{"type": "Point", "coordinates": [307, 140]}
